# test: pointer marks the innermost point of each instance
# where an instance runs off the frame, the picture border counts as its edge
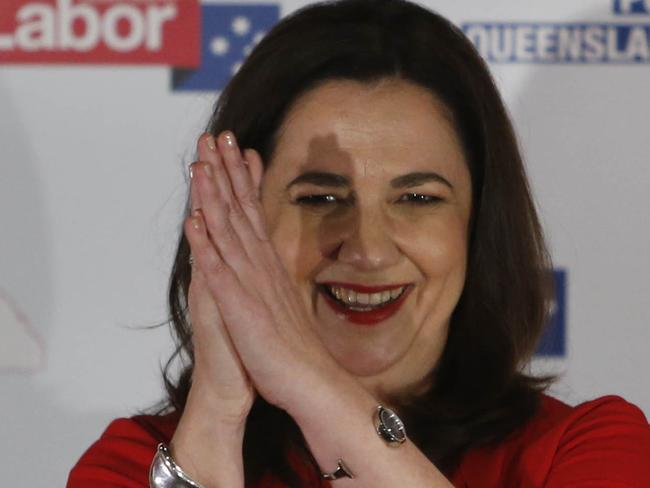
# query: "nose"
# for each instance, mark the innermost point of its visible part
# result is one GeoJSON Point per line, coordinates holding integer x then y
{"type": "Point", "coordinates": [368, 241]}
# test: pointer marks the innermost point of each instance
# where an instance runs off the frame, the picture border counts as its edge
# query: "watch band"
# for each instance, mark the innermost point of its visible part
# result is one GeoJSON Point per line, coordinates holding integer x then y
{"type": "Point", "coordinates": [165, 473]}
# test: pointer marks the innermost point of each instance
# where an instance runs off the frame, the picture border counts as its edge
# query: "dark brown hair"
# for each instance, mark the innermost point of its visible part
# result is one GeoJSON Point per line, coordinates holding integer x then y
{"type": "Point", "coordinates": [479, 393]}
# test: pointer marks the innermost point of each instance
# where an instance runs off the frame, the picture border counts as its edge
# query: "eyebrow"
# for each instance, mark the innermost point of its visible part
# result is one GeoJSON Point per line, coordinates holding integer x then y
{"type": "Point", "coordinates": [334, 180]}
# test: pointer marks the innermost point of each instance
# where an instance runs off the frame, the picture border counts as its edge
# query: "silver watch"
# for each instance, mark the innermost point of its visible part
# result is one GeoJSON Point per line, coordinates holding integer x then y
{"type": "Point", "coordinates": [389, 426]}
{"type": "Point", "coordinates": [165, 473]}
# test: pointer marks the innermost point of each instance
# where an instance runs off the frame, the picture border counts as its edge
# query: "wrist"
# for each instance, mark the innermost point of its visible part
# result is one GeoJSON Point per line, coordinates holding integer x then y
{"type": "Point", "coordinates": [212, 465]}
{"type": "Point", "coordinates": [211, 456]}
{"type": "Point", "coordinates": [330, 390]}
{"type": "Point", "coordinates": [343, 425]}
{"type": "Point", "coordinates": [218, 406]}
{"type": "Point", "coordinates": [208, 441]}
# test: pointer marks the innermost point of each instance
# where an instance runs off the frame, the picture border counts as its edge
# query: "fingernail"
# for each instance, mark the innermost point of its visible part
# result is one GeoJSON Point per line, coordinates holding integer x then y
{"type": "Point", "coordinates": [229, 137]}
{"type": "Point", "coordinates": [207, 167]}
{"type": "Point", "coordinates": [191, 171]}
{"type": "Point", "coordinates": [210, 142]}
{"type": "Point", "coordinates": [196, 224]}
{"type": "Point", "coordinates": [196, 218]}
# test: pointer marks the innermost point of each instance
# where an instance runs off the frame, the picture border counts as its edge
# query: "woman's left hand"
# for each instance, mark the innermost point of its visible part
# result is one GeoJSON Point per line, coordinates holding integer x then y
{"type": "Point", "coordinates": [270, 327]}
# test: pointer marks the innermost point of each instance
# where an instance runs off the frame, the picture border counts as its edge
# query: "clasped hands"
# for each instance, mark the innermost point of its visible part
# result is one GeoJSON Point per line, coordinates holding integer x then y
{"type": "Point", "coordinates": [251, 332]}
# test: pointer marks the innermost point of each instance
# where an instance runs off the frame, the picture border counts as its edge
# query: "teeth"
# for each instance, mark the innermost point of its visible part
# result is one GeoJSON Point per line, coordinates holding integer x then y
{"type": "Point", "coordinates": [352, 298]}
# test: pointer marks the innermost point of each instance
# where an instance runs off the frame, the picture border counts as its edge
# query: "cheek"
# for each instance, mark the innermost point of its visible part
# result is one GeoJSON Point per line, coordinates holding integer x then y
{"type": "Point", "coordinates": [437, 246]}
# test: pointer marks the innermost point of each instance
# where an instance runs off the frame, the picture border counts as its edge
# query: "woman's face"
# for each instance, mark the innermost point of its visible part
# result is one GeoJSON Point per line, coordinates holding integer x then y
{"type": "Point", "coordinates": [364, 222]}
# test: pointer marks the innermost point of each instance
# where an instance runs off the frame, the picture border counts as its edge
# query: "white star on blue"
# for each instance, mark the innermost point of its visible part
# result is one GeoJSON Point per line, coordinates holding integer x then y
{"type": "Point", "coordinates": [230, 33]}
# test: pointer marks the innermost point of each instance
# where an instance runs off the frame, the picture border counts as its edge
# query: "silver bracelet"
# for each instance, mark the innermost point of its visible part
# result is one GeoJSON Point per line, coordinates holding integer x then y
{"type": "Point", "coordinates": [165, 473]}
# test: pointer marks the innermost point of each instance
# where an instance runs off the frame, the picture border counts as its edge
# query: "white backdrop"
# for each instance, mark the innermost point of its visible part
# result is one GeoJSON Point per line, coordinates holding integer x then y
{"type": "Point", "coordinates": [93, 183]}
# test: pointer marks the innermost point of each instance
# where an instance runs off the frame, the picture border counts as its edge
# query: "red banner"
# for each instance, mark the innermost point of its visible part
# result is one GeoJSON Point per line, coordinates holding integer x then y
{"type": "Point", "coordinates": [166, 32]}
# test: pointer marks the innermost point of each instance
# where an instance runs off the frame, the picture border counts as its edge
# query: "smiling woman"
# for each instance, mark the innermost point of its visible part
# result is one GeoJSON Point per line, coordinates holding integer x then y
{"type": "Point", "coordinates": [362, 259]}
{"type": "Point", "coordinates": [372, 146]}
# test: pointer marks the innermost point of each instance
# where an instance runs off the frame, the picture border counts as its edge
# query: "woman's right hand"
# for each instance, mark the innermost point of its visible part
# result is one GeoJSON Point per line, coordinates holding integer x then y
{"type": "Point", "coordinates": [208, 441]}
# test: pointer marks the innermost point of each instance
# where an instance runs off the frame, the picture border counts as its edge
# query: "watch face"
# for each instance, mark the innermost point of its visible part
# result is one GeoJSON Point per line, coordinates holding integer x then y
{"type": "Point", "coordinates": [392, 425]}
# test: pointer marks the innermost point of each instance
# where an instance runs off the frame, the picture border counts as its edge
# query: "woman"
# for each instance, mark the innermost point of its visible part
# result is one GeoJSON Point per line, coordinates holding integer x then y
{"type": "Point", "coordinates": [363, 241]}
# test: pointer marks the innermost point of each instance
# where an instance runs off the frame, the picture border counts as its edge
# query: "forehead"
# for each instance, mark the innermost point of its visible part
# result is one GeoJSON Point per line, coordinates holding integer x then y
{"type": "Point", "coordinates": [362, 129]}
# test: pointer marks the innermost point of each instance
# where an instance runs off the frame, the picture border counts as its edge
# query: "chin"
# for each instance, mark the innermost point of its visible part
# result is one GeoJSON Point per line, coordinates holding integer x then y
{"type": "Point", "coordinates": [364, 363]}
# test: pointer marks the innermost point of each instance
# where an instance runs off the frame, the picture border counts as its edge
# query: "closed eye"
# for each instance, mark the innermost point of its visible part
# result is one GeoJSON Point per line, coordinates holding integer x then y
{"type": "Point", "coordinates": [319, 200]}
{"type": "Point", "coordinates": [419, 199]}
{"type": "Point", "coordinates": [328, 199]}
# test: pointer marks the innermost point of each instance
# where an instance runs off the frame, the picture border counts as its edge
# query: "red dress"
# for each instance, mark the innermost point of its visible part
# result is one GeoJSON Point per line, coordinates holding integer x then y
{"type": "Point", "coordinates": [600, 443]}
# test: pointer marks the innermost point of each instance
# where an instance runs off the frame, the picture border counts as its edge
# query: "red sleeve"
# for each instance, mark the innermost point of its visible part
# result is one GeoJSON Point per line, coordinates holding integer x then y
{"type": "Point", "coordinates": [122, 455]}
{"type": "Point", "coordinates": [602, 443]}
{"type": "Point", "coordinates": [606, 445]}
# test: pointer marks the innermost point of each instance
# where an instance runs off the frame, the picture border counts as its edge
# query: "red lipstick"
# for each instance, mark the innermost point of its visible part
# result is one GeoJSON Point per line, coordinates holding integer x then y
{"type": "Point", "coordinates": [371, 317]}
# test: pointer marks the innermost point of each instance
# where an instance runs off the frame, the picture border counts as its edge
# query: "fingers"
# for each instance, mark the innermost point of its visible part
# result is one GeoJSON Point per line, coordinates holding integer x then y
{"type": "Point", "coordinates": [217, 367]}
{"type": "Point", "coordinates": [244, 190]}
{"type": "Point", "coordinates": [210, 338]}
{"type": "Point", "coordinates": [207, 152]}
{"type": "Point", "coordinates": [208, 329]}
{"type": "Point", "coordinates": [232, 220]}
{"type": "Point", "coordinates": [205, 316]}
{"type": "Point", "coordinates": [225, 227]}
{"type": "Point", "coordinates": [204, 313]}
{"type": "Point", "coordinates": [209, 228]}
{"type": "Point", "coordinates": [256, 169]}
{"type": "Point", "coordinates": [228, 193]}
{"type": "Point", "coordinates": [235, 304]}
{"type": "Point", "coordinates": [235, 179]}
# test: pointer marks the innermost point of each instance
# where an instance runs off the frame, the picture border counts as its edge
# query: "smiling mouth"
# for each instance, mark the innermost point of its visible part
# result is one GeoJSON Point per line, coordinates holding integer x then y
{"type": "Point", "coordinates": [362, 302]}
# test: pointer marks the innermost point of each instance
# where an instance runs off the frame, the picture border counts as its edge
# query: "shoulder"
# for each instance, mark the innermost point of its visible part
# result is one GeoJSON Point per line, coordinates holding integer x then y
{"type": "Point", "coordinates": [123, 453]}
{"type": "Point", "coordinates": [606, 439]}
{"type": "Point", "coordinates": [558, 421]}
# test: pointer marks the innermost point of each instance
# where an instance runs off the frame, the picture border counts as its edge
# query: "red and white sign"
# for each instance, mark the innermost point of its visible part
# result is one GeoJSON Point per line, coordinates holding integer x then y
{"type": "Point", "coordinates": [164, 32]}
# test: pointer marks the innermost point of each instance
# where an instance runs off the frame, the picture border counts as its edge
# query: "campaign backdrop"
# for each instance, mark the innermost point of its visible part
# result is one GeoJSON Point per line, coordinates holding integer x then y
{"type": "Point", "coordinates": [100, 106]}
